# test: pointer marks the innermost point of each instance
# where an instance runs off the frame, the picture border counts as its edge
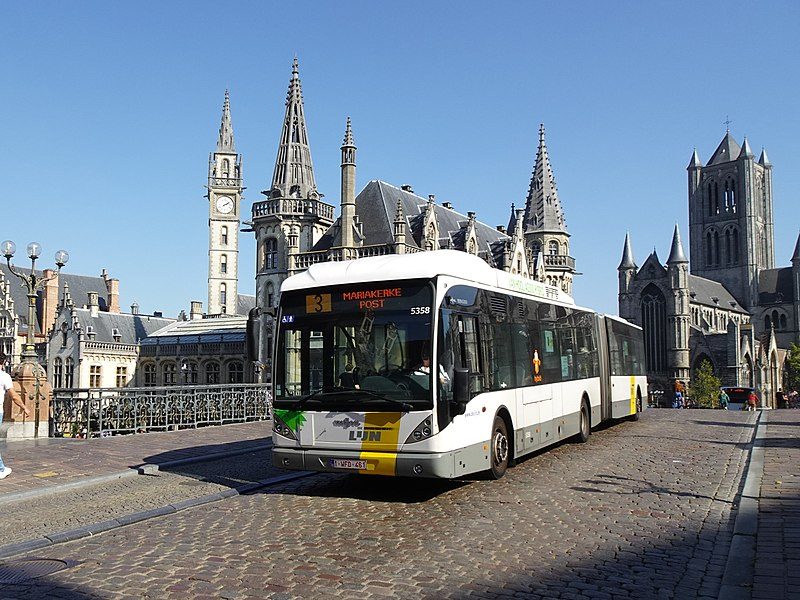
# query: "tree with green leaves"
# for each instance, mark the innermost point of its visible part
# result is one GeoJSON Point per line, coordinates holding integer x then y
{"type": "Point", "coordinates": [793, 369]}
{"type": "Point", "coordinates": [705, 387]}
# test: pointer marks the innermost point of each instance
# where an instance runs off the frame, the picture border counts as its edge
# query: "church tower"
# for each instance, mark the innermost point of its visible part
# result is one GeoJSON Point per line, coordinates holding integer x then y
{"type": "Point", "coordinates": [730, 218]}
{"type": "Point", "coordinates": [545, 229]}
{"type": "Point", "coordinates": [224, 205]}
{"type": "Point", "coordinates": [292, 217]}
{"type": "Point", "coordinates": [679, 314]}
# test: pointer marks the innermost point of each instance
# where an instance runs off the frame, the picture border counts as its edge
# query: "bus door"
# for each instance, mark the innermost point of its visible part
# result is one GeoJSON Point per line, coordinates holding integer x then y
{"type": "Point", "coordinates": [605, 369]}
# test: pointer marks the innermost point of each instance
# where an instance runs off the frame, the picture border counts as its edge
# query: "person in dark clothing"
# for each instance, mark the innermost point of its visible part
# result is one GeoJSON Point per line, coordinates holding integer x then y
{"type": "Point", "coordinates": [348, 379]}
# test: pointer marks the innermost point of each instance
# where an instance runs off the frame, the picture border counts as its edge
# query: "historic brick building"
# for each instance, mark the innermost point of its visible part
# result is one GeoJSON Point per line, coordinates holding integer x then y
{"type": "Point", "coordinates": [730, 305]}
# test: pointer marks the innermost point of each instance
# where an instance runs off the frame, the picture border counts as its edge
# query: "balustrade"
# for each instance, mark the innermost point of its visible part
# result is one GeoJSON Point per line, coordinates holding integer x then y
{"type": "Point", "coordinates": [117, 411]}
{"type": "Point", "coordinates": [292, 206]}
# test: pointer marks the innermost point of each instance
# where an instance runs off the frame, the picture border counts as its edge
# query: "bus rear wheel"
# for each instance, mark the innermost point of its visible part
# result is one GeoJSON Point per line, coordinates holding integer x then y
{"type": "Point", "coordinates": [635, 416]}
{"type": "Point", "coordinates": [586, 424]}
{"type": "Point", "coordinates": [499, 448]}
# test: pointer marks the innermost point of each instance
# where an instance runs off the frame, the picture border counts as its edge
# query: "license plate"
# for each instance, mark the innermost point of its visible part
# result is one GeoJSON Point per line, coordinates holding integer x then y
{"type": "Point", "coordinates": [346, 463]}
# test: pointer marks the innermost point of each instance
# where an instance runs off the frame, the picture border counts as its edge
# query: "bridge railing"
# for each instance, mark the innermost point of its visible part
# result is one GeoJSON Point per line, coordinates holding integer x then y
{"type": "Point", "coordinates": [101, 412]}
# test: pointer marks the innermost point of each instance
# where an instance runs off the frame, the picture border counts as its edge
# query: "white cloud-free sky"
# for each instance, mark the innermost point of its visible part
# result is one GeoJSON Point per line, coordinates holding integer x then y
{"type": "Point", "coordinates": [109, 112]}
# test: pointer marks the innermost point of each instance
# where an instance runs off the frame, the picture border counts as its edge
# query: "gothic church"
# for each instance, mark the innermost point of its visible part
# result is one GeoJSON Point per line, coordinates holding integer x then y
{"type": "Point", "coordinates": [731, 307]}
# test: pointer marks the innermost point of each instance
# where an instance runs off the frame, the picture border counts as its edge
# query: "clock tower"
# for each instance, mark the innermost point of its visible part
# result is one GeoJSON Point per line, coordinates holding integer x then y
{"type": "Point", "coordinates": [224, 204]}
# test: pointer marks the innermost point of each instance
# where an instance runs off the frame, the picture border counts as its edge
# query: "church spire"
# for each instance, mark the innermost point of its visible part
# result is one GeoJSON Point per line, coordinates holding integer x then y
{"type": "Point", "coordinates": [542, 207]}
{"type": "Point", "coordinates": [676, 254]}
{"type": "Point", "coordinates": [294, 172]}
{"type": "Point", "coordinates": [627, 261]}
{"type": "Point", "coordinates": [225, 142]}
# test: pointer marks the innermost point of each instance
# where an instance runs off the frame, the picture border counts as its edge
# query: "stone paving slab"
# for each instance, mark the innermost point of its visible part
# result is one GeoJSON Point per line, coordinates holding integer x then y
{"type": "Point", "coordinates": [644, 510]}
{"type": "Point", "coordinates": [47, 464]}
{"type": "Point", "coordinates": [777, 564]}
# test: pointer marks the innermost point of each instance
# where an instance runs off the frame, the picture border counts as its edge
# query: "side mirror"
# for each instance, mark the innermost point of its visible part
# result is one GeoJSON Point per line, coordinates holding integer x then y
{"type": "Point", "coordinates": [461, 387]}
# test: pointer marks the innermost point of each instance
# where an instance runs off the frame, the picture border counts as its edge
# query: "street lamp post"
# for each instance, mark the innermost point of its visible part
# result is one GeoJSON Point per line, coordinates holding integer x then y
{"type": "Point", "coordinates": [33, 283]}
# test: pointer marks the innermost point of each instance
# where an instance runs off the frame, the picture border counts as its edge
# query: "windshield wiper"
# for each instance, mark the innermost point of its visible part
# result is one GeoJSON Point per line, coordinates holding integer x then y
{"type": "Point", "coordinates": [407, 407]}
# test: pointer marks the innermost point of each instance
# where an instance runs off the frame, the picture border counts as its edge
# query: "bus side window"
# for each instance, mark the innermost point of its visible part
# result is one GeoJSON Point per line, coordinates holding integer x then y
{"type": "Point", "coordinates": [471, 350]}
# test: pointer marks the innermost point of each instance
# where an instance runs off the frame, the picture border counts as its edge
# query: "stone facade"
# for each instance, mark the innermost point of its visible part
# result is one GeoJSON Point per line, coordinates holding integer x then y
{"type": "Point", "coordinates": [295, 228]}
{"type": "Point", "coordinates": [92, 348]}
{"type": "Point", "coordinates": [730, 305]}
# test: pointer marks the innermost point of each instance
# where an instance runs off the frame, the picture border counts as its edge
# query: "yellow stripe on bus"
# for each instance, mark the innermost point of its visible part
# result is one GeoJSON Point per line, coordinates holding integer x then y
{"type": "Point", "coordinates": [374, 447]}
{"type": "Point", "coordinates": [633, 395]}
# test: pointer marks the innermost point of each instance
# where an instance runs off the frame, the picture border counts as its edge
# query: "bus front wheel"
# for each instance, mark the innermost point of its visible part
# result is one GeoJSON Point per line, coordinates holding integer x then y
{"type": "Point", "coordinates": [499, 447]}
{"type": "Point", "coordinates": [586, 424]}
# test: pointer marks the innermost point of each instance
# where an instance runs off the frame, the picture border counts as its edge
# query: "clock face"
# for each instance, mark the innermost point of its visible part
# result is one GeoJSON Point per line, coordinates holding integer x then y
{"type": "Point", "coordinates": [224, 204]}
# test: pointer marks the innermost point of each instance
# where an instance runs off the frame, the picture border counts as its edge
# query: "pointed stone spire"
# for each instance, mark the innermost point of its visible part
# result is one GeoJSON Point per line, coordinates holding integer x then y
{"type": "Point", "coordinates": [627, 261]}
{"type": "Point", "coordinates": [294, 172]}
{"type": "Point", "coordinates": [542, 207]}
{"type": "Point", "coordinates": [348, 187]}
{"type": "Point", "coordinates": [225, 142]}
{"type": "Point", "coordinates": [746, 151]}
{"type": "Point", "coordinates": [676, 254]}
{"type": "Point", "coordinates": [763, 160]}
{"type": "Point", "coordinates": [695, 162]}
{"type": "Point", "coordinates": [512, 221]}
{"type": "Point", "coordinates": [348, 135]}
{"type": "Point", "coordinates": [66, 298]}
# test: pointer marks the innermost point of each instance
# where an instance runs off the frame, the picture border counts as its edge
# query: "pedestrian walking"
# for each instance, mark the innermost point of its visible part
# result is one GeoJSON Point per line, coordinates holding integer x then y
{"type": "Point", "coordinates": [7, 387]}
{"type": "Point", "coordinates": [723, 399]}
{"type": "Point", "coordinates": [752, 401]}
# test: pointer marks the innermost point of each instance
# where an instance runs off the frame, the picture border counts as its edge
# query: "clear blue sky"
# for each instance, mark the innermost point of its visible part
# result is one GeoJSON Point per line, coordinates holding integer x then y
{"type": "Point", "coordinates": [110, 110]}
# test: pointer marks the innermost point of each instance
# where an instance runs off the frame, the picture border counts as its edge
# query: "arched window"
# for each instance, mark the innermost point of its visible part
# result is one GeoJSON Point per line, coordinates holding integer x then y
{"type": "Point", "coordinates": [783, 321]}
{"type": "Point", "coordinates": [716, 248]}
{"type": "Point", "coordinates": [776, 319]}
{"type": "Point", "coordinates": [735, 235]}
{"type": "Point", "coordinates": [226, 167]}
{"type": "Point", "coordinates": [223, 295]}
{"type": "Point", "coordinates": [710, 198]}
{"type": "Point", "coordinates": [270, 294]}
{"type": "Point", "coordinates": [728, 247]}
{"type": "Point", "coordinates": [170, 371]}
{"type": "Point", "coordinates": [716, 198]}
{"type": "Point", "coordinates": [224, 235]}
{"type": "Point", "coordinates": [535, 249]}
{"type": "Point", "coordinates": [223, 263]}
{"type": "Point", "coordinates": [552, 248]}
{"type": "Point", "coordinates": [709, 250]}
{"type": "Point", "coordinates": [58, 373]}
{"type": "Point", "coordinates": [212, 373]}
{"type": "Point", "coordinates": [235, 372]}
{"type": "Point", "coordinates": [654, 323]}
{"type": "Point", "coordinates": [69, 372]}
{"type": "Point", "coordinates": [190, 373]}
{"type": "Point", "coordinates": [149, 375]}
{"type": "Point", "coordinates": [767, 323]}
{"type": "Point", "coordinates": [733, 196]}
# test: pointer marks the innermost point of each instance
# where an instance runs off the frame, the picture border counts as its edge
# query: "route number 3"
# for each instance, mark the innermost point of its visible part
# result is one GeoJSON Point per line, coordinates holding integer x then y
{"type": "Point", "coordinates": [318, 303]}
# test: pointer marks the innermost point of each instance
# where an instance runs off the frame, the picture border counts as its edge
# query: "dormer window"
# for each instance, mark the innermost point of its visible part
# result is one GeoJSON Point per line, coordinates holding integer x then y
{"type": "Point", "coordinates": [90, 332]}
{"type": "Point", "coordinates": [116, 334]}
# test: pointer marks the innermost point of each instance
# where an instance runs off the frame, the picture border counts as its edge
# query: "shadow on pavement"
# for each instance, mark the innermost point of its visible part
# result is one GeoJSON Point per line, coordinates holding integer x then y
{"type": "Point", "coordinates": [202, 451]}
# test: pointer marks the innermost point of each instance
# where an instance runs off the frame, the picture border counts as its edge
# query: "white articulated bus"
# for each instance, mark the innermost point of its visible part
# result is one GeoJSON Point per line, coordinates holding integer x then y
{"type": "Point", "coordinates": [436, 365]}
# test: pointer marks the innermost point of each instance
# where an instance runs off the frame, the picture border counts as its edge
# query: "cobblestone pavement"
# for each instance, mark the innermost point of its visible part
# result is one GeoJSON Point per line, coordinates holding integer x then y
{"type": "Point", "coordinates": [70, 509]}
{"type": "Point", "coordinates": [777, 567]}
{"type": "Point", "coordinates": [49, 462]}
{"type": "Point", "coordinates": [644, 510]}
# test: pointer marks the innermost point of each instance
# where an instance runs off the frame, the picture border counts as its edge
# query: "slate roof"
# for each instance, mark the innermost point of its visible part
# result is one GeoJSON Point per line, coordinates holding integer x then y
{"type": "Point", "coordinates": [727, 150]}
{"type": "Point", "coordinates": [218, 329]}
{"type": "Point", "coordinates": [79, 288]}
{"type": "Point", "coordinates": [775, 286]}
{"type": "Point", "coordinates": [376, 206]}
{"type": "Point", "coordinates": [244, 304]}
{"type": "Point", "coordinates": [706, 290]}
{"type": "Point", "coordinates": [132, 328]}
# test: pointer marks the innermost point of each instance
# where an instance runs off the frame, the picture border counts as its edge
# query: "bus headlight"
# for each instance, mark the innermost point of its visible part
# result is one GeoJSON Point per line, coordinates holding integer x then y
{"type": "Point", "coordinates": [422, 432]}
{"type": "Point", "coordinates": [282, 428]}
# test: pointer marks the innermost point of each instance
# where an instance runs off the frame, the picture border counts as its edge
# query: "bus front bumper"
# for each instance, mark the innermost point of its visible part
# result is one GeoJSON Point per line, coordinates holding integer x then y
{"type": "Point", "coordinates": [403, 464]}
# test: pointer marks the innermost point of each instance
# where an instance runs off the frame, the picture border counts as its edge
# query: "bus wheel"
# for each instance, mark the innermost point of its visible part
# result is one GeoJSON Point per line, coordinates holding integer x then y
{"type": "Point", "coordinates": [586, 424]}
{"type": "Point", "coordinates": [637, 415]}
{"type": "Point", "coordinates": [500, 447]}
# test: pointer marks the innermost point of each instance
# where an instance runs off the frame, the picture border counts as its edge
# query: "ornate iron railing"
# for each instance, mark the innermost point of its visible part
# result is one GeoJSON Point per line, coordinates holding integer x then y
{"type": "Point", "coordinates": [100, 412]}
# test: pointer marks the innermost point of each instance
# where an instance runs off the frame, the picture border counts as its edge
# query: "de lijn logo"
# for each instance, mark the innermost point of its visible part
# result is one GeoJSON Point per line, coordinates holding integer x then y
{"type": "Point", "coordinates": [365, 435]}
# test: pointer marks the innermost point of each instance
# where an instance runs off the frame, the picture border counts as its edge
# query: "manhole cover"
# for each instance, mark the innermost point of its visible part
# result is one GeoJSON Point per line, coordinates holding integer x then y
{"type": "Point", "coordinates": [21, 571]}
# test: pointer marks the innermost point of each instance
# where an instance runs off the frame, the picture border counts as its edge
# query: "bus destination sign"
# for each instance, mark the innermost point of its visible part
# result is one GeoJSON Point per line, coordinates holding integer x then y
{"type": "Point", "coordinates": [373, 299]}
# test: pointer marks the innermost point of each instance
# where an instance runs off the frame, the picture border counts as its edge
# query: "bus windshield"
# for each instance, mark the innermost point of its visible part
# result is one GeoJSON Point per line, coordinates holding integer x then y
{"type": "Point", "coordinates": [356, 347]}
